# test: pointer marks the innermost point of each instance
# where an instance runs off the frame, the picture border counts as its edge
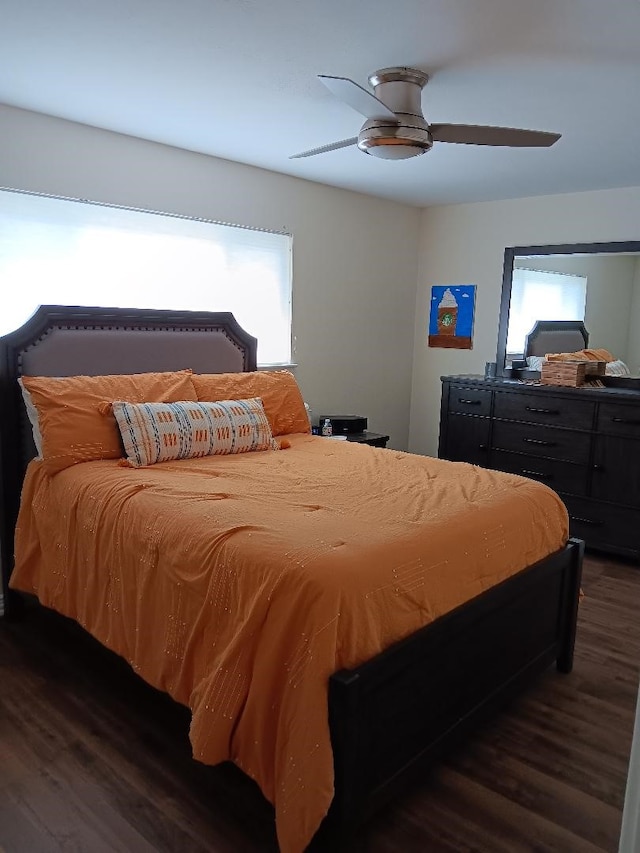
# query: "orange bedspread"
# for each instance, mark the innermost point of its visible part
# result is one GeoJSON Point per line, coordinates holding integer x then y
{"type": "Point", "coordinates": [238, 584]}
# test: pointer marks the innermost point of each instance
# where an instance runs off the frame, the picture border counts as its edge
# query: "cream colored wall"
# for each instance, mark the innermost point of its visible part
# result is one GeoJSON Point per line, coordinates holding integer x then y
{"type": "Point", "coordinates": [630, 830]}
{"type": "Point", "coordinates": [354, 257]}
{"type": "Point", "coordinates": [464, 244]}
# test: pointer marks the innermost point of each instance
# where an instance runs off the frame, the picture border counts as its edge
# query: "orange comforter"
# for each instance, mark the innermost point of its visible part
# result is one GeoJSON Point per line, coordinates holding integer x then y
{"type": "Point", "coordinates": [238, 584]}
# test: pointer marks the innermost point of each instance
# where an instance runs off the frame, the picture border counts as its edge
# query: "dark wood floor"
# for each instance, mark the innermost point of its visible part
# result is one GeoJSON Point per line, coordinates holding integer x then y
{"type": "Point", "coordinates": [92, 760]}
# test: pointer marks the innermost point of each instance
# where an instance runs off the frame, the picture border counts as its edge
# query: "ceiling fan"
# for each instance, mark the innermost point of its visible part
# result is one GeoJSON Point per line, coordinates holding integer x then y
{"type": "Point", "coordinates": [396, 129]}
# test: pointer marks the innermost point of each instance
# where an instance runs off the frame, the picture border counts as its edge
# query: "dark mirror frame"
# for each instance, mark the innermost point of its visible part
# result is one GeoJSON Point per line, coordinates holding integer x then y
{"type": "Point", "coordinates": [512, 252]}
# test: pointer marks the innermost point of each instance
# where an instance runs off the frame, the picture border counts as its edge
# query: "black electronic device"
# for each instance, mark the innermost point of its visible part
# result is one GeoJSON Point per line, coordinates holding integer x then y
{"type": "Point", "coordinates": [344, 424]}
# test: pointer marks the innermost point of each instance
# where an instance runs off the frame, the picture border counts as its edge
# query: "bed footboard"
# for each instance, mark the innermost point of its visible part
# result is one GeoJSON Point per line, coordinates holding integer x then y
{"type": "Point", "coordinates": [394, 714]}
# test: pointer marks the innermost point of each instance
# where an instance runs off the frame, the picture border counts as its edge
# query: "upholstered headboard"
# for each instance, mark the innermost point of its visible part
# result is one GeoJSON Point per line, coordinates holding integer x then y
{"type": "Point", "coordinates": [66, 341]}
{"type": "Point", "coordinates": [556, 336]}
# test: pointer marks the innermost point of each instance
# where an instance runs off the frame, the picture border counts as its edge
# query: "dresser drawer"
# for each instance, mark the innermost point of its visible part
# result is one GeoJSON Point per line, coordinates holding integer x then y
{"type": "Point", "coordinates": [467, 439]}
{"type": "Point", "coordinates": [537, 440]}
{"type": "Point", "coordinates": [544, 409]}
{"type": "Point", "coordinates": [616, 470]}
{"type": "Point", "coordinates": [560, 476]}
{"type": "Point", "coordinates": [469, 401]}
{"type": "Point", "coordinates": [619, 419]}
{"type": "Point", "coordinates": [604, 525]}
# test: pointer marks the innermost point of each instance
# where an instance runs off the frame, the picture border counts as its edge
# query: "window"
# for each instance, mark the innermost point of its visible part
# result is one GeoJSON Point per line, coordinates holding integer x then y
{"type": "Point", "coordinates": [541, 295]}
{"type": "Point", "coordinates": [68, 252]}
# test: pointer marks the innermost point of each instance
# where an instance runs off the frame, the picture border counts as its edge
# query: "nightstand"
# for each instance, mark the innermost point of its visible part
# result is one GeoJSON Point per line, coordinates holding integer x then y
{"type": "Point", "coordinates": [373, 439]}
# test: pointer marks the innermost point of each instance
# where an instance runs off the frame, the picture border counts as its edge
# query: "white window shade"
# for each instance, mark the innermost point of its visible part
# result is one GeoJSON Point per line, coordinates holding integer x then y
{"type": "Point", "coordinates": [540, 295]}
{"type": "Point", "coordinates": [60, 251]}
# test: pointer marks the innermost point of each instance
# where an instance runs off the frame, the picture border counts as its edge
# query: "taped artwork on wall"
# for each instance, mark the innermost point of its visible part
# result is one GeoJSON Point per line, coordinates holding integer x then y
{"type": "Point", "coordinates": [451, 316]}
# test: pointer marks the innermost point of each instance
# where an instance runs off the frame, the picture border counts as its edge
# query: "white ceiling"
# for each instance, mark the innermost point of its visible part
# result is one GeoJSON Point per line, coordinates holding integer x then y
{"type": "Point", "coordinates": [237, 79]}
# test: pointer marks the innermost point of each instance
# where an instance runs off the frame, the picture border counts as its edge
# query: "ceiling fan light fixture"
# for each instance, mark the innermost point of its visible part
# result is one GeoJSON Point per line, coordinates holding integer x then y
{"type": "Point", "coordinates": [394, 142]}
{"type": "Point", "coordinates": [392, 149]}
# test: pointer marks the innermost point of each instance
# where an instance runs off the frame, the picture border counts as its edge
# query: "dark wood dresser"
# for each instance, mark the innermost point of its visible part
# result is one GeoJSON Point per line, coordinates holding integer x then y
{"type": "Point", "coordinates": [582, 442]}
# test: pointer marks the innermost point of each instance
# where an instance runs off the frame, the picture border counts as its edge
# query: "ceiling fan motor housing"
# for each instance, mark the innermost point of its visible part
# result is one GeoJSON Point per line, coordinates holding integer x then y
{"type": "Point", "coordinates": [400, 89]}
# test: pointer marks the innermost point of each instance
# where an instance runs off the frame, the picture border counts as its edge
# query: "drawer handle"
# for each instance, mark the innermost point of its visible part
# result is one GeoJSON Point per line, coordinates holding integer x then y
{"type": "Point", "coordinates": [588, 521]}
{"type": "Point", "coordinates": [632, 421]}
{"type": "Point", "coordinates": [542, 411]}
{"type": "Point", "coordinates": [537, 474]}
{"type": "Point", "coordinates": [540, 442]}
{"type": "Point", "coordinates": [469, 402]}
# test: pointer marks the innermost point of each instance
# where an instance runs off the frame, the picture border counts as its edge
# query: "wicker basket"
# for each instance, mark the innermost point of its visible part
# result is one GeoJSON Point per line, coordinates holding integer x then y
{"type": "Point", "coordinates": [571, 373]}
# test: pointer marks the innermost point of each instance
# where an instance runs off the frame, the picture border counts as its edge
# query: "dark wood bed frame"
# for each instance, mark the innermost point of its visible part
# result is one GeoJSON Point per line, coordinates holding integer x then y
{"type": "Point", "coordinates": [395, 714]}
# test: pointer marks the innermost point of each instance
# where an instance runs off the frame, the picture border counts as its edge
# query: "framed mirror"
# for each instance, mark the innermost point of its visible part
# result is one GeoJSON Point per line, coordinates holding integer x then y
{"type": "Point", "coordinates": [596, 285]}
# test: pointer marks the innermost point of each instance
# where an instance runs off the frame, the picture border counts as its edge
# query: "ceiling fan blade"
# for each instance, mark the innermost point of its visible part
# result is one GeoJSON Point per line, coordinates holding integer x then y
{"type": "Point", "coordinates": [474, 134]}
{"type": "Point", "coordinates": [332, 146]}
{"type": "Point", "coordinates": [361, 99]}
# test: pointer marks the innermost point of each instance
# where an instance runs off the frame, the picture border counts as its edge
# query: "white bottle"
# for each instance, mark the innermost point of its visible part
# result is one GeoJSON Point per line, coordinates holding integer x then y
{"type": "Point", "coordinates": [327, 429]}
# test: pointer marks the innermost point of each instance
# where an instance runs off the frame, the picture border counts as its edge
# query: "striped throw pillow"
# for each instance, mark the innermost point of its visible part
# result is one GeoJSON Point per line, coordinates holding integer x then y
{"type": "Point", "coordinates": [159, 432]}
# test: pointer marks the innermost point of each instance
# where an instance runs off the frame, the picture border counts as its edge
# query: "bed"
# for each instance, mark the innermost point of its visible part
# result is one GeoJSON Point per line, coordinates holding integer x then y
{"type": "Point", "coordinates": [389, 713]}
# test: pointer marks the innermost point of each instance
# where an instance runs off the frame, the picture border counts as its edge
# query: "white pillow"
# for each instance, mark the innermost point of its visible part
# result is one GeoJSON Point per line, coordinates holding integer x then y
{"type": "Point", "coordinates": [617, 368]}
{"type": "Point", "coordinates": [535, 362]}
{"type": "Point", "coordinates": [32, 414]}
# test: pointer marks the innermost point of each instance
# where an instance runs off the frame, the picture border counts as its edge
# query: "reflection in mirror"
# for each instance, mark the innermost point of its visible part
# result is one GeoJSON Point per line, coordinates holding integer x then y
{"type": "Point", "coordinates": [541, 294]}
{"type": "Point", "coordinates": [597, 283]}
